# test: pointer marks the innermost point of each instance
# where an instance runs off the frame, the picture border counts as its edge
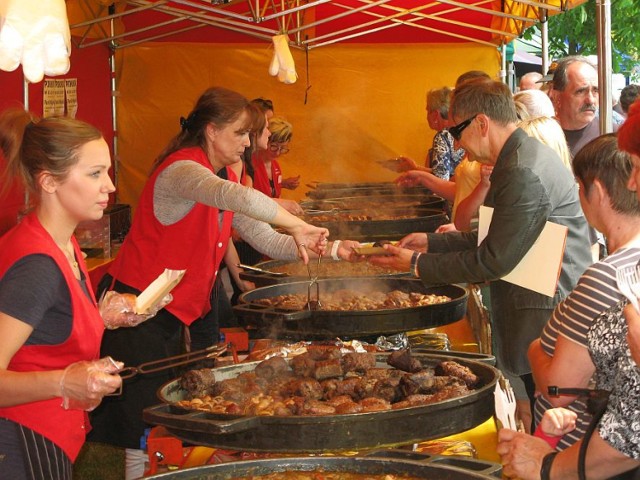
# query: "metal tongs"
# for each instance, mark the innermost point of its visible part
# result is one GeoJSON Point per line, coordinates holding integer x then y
{"type": "Point", "coordinates": [261, 270]}
{"type": "Point", "coordinates": [175, 361]}
{"type": "Point", "coordinates": [313, 280]}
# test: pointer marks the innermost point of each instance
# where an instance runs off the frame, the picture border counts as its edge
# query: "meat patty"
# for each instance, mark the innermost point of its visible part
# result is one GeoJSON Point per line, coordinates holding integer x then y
{"type": "Point", "coordinates": [272, 368]}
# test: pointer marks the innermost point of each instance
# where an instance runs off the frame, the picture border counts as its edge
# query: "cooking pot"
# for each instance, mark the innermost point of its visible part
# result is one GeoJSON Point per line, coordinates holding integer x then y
{"type": "Point", "coordinates": [397, 462]}
{"type": "Point", "coordinates": [323, 324]}
{"type": "Point", "coordinates": [365, 189]}
{"type": "Point", "coordinates": [430, 220]}
{"type": "Point", "coordinates": [296, 271]}
{"type": "Point", "coordinates": [327, 433]}
{"type": "Point", "coordinates": [375, 201]}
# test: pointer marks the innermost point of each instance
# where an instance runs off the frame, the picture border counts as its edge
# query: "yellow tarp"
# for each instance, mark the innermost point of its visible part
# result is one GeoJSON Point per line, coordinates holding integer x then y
{"type": "Point", "coordinates": [365, 102]}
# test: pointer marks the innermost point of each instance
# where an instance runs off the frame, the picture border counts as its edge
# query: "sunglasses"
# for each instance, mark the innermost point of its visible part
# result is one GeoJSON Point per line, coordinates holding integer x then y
{"type": "Point", "coordinates": [456, 130]}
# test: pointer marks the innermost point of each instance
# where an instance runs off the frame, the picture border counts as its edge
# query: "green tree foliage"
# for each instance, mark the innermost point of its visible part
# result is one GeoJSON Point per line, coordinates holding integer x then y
{"type": "Point", "coordinates": [574, 33]}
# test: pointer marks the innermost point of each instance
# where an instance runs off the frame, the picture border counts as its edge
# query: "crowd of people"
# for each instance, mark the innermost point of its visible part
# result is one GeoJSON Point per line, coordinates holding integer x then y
{"type": "Point", "coordinates": [532, 158]}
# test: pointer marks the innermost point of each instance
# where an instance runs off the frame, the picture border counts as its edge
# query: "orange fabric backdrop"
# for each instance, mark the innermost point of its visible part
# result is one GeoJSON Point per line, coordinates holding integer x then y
{"type": "Point", "coordinates": [365, 102]}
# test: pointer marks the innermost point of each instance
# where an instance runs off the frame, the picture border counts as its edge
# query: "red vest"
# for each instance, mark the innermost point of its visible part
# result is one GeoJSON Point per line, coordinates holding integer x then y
{"type": "Point", "coordinates": [196, 244]}
{"type": "Point", "coordinates": [261, 179]}
{"type": "Point", "coordinates": [66, 428]}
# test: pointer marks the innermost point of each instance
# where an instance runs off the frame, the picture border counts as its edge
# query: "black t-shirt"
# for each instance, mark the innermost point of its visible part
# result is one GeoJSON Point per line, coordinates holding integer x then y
{"type": "Point", "coordinates": [35, 292]}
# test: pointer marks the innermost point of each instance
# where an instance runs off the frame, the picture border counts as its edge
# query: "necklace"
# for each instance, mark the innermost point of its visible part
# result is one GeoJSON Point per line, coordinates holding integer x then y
{"type": "Point", "coordinates": [70, 256]}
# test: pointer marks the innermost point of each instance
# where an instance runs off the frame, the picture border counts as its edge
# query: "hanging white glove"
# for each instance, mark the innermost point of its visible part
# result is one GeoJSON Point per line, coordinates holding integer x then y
{"type": "Point", "coordinates": [283, 60]}
{"type": "Point", "coordinates": [36, 34]}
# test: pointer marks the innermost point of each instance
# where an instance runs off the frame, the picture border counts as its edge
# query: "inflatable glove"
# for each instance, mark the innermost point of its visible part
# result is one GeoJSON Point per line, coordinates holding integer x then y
{"type": "Point", "coordinates": [282, 63]}
{"type": "Point", "coordinates": [36, 34]}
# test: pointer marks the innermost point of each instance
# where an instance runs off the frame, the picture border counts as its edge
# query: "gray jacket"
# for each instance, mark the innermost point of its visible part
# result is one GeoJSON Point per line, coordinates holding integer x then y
{"type": "Point", "coordinates": [529, 186]}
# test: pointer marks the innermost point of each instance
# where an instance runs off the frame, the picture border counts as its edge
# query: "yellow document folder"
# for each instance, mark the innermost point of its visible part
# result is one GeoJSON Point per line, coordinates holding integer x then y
{"type": "Point", "coordinates": [539, 270]}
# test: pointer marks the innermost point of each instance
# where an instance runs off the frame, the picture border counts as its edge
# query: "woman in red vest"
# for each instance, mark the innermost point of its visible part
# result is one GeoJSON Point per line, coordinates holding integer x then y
{"type": "Point", "coordinates": [267, 174]}
{"type": "Point", "coordinates": [49, 322]}
{"type": "Point", "coordinates": [183, 222]}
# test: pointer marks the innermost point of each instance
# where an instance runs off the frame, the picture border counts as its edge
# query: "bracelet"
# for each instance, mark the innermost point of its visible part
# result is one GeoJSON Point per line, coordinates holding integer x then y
{"type": "Point", "coordinates": [334, 249]}
{"type": "Point", "coordinates": [547, 462]}
{"type": "Point", "coordinates": [414, 264]}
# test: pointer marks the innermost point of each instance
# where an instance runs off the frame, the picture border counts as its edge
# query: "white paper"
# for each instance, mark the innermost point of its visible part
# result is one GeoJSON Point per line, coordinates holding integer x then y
{"type": "Point", "coordinates": [539, 270]}
{"type": "Point", "coordinates": [71, 92]}
{"type": "Point", "coordinates": [53, 97]}
{"type": "Point", "coordinates": [158, 289]}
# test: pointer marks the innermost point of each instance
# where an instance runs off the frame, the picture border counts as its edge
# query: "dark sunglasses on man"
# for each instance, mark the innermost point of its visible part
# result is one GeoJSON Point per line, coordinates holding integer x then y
{"type": "Point", "coordinates": [456, 130]}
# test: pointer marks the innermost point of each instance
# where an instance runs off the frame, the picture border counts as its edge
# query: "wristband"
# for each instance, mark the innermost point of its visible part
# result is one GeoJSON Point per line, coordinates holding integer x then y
{"type": "Point", "coordinates": [414, 264]}
{"type": "Point", "coordinates": [547, 462]}
{"type": "Point", "coordinates": [334, 249]}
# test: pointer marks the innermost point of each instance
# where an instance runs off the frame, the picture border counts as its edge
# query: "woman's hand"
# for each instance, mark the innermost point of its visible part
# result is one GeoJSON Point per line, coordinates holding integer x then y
{"type": "Point", "coordinates": [485, 174]}
{"type": "Point", "coordinates": [290, 183]}
{"type": "Point", "coordinates": [558, 421]}
{"type": "Point", "coordinates": [404, 164]}
{"type": "Point", "coordinates": [290, 206]}
{"type": "Point", "coordinates": [83, 384]}
{"type": "Point", "coordinates": [309, 237]}
{"type": "Point", "coordinates": [415, 241]}
{"type": "Point", "coordinates": [119, 310]}
{"type": "Point", "coordinates": [413, 178]}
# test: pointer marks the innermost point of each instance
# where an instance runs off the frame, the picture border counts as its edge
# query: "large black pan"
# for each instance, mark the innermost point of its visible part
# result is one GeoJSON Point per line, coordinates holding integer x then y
{"type": "Point", "coordinates": [356, 190]}
{"type": "Point", "coordinates": [375, 201]}
{"type": "Point", "coordinates": [318, 324]}
{"type": "Point", "coordinates": [389, 462]}
{"type": "Point", "coordinates": [297, 271]}
{"type": "Point", "coordinates": [327, 433]}
{"type": "Point", "coordinates": [363, 230]}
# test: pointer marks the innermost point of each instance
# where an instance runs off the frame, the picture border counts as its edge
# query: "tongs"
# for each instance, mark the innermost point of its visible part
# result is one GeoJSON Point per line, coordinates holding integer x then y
{"type": "Point", "coordinates": [313, 280]}
{"type": "Point", "coordinates": [176, 361]}
{"type": "Point", "coordinates": [261, 270]}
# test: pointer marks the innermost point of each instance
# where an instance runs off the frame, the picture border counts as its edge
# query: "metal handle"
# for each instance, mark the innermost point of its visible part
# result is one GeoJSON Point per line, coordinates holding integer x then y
{"type": "Point", "coordinates": [175, 361]}
{"type": "Point", "coordinates": [261, 270]}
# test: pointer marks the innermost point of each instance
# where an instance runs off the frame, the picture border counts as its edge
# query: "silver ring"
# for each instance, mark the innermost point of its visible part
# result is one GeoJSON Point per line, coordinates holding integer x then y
{"type": "Point", "coordinates": [301, 245]}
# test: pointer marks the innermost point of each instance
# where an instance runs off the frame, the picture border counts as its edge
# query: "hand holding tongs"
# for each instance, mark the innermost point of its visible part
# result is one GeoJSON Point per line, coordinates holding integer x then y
{"type": "Point", "coordinates": [313, 280]}
{"type": "Point", "coordinates": [175, 361]}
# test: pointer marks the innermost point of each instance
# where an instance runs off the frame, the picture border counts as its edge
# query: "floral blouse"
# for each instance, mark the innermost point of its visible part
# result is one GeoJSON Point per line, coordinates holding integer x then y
{"type": "Point", "coordinates": [617, 372]}
{"type": "Point", "coordinates": [443, 158]}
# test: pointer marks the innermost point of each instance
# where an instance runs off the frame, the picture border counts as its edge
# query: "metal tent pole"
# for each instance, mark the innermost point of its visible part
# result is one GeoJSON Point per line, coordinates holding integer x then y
{"type": "Point", "coordinates": [603, 30]}
{"type": "Point", "coordinates": [544, 36]}
{"type": "Point", "coordinates": [114, 103]}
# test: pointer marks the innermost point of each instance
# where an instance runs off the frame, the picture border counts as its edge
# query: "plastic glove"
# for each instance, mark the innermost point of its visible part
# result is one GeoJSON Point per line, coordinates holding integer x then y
{"type": "Point", "coordinates": [118, 310]}
{"type": "Point", "coordinates": [282, 63]}
{"type": "Point", "coordinates": [36, 34]}
{"type": "Point", "coordinates": [83, 384]}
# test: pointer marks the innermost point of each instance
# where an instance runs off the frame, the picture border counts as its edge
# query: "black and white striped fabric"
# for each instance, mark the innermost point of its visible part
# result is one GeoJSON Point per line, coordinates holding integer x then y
{"type": "Point", "coordinates": [27, 455]}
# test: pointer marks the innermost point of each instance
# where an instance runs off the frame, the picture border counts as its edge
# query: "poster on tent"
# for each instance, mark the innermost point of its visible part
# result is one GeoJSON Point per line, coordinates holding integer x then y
{"type": "Point", "coordinates": [71, 92]}
{"type": "Point", "coordinates": [53, 98]}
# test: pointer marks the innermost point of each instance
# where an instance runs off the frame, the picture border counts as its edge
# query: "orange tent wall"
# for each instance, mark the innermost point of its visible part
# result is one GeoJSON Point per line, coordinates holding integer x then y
{"type": "Point", "coordinates": [365, 102]}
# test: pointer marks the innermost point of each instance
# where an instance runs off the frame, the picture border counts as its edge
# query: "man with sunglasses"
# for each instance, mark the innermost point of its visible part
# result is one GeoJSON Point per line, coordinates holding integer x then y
{"type": "Point", "coordinates": [529, 186]}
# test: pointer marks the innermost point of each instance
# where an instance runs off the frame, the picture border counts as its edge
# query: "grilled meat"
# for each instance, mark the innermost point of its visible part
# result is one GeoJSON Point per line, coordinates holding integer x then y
{"type": "Point", "coordinates": [198, 382]}
{"type": "Point", "coordinates": [272, 368]}
{"type": "Point", "coordinates": [358, 362]}
{"type": "Point", "coordinates": [454, 369]}
{"type": "Point", "coordinates": [327, 369]}
{"type": "Point", "coordinates": [330, 385]}
{"type": "Point", "coordinates": [402, 360]}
